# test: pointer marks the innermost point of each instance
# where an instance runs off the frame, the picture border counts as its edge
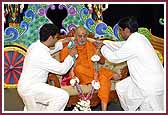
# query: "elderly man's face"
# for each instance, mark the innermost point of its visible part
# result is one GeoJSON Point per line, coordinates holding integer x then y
{"type": "Point", "coordinates": [81, 37]}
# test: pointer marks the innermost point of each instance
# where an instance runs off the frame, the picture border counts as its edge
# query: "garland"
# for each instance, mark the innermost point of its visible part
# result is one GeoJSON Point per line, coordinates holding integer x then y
{"type": "Point", "coordinates": [75, 82]}
{"type": "Point", "coordinates": [84, 100]}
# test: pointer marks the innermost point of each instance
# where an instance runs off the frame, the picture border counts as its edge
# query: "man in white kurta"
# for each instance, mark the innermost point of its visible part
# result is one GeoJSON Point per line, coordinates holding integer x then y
{"type": "Point", "coordinates": [144, 89]}
{"type": "Point", "coordinates": [32, 87]}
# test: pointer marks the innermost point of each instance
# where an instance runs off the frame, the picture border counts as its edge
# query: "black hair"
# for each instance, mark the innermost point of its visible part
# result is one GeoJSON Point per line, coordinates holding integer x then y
{"type": "Point", "coordinates": [130, 23]}
{"type": "Point", "coordinates": [48, 30]}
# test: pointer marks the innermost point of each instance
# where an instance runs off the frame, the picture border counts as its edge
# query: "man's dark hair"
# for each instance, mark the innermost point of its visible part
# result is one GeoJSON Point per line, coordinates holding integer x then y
{"type": "Point", "coordinates": [130, 23]}
{"type": "Point", "coordinates": [48, 30]}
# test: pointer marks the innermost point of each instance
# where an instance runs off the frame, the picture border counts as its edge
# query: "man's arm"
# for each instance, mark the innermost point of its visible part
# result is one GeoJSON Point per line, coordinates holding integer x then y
{"type": "Point", "coordinates": [114, 45]}
{"type": "Point", "coordinates": [59, 45]}
{"type": "Point", "coordinates": [126, 52]}
{"type": "Point", "coordinates": [52, 65]}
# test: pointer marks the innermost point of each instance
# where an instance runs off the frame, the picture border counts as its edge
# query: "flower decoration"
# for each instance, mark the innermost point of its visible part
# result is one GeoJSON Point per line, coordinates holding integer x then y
{"type": "Point", "coordinates": [82, 105]}
{"type": "Point", "coordinates": [76, 55]}
{"type": "Point", "coordinates": [84, 99]}
{"type": "Point", "coordinates": [95, 84]}
{"type": "Point", "coordinates": [95, 58]}
{"type": "Point", "coordinates": [73, 81]}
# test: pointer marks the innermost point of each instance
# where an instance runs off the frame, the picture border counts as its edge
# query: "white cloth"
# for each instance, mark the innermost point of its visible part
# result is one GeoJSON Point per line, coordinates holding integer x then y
{"type": "Point", "coordinates": [113, 45]}
{"type": "Point", "coordinates": [153, 103]}
{"type": "Point", "coordinates": [32, 85]}
{"type": "Point", "coordinates": [145, 68]}
{"type": "Point", "coordinates": [129, 94]}
{"type": "Point", "coordinates": [58, 46]}
{"type": "Point", "coordinates": [44, 97]}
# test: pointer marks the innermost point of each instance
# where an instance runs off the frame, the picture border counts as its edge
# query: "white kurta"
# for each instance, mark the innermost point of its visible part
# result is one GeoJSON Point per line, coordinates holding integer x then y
{"type": "Point", "coordinates": [32, 85]}
{"type": "Point", "coordinates": [146, 72]}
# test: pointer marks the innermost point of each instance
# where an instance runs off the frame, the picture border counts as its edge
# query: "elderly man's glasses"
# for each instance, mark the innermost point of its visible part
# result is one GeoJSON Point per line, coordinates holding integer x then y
{"type": "Point", "coordinates": [82, 36]}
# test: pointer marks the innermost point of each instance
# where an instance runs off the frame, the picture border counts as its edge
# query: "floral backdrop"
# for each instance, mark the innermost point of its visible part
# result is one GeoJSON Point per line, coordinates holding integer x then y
{"type": "Point", "coordinates": [24, 21]}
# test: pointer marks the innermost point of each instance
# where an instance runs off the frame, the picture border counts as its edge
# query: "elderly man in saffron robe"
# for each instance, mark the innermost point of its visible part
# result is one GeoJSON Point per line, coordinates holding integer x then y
{"type": "Point", "coordinates": [84, 68]}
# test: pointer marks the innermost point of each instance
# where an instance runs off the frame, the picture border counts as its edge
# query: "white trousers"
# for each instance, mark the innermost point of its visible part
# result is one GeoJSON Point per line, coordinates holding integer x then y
{"type": "Point", "coordinates": [153, 103]}
{"type": "Point", "coordinates": [43, 97]}
{"type": "Point", "coordinates": [131, 98]}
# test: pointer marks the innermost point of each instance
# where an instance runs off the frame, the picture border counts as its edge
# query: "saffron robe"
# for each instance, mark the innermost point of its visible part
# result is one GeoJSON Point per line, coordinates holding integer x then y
{"type": "Point", "coordinates": [84, 69]}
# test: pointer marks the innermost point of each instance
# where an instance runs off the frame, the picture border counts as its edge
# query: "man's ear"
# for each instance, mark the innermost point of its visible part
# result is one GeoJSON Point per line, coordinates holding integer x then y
{"type": "Point", "coordinates": [127, 30]}
{"type": "Point", "coordinates": [50, 38]}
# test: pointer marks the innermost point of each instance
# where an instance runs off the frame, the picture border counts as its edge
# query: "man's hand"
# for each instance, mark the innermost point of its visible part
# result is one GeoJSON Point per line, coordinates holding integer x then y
{"type": "Point", "coordinates": [102, 59]}
{"type": "Point", "coordinates": [72, 51]}
{"type": "Point", "coordinates": [116, 77]}
{"type": "Point", "coordinates": [98, 43]}
{"type": "Point", "coordinates": [66, 40]}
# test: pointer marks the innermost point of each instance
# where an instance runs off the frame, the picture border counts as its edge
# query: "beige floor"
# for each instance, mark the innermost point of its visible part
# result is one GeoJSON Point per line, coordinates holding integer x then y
{"type": "Point", "coordinates": [12, 102]}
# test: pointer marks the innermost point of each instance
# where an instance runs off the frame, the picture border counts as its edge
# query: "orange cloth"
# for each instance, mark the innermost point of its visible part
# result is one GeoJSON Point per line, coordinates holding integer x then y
{"type": "Point", "coordinates": [84, 69]}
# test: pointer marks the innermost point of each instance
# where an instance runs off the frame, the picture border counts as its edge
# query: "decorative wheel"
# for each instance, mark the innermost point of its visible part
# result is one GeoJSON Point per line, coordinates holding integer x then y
{"type": "Point", "coordinates": [13, 64]}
